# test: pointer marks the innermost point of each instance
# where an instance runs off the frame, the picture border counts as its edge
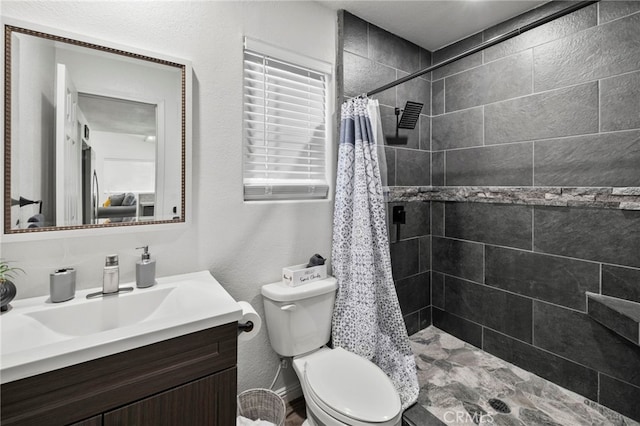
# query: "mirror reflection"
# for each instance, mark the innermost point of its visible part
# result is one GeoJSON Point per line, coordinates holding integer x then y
{"type": "Point", "coordinates": [119, 152]}
{"type": "Point", "coordinates": [96, 135]}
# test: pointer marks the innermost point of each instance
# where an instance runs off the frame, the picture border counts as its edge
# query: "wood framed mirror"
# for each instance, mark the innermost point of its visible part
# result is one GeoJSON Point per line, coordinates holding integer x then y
{"type": "Point", "coordinates": [96, 135]}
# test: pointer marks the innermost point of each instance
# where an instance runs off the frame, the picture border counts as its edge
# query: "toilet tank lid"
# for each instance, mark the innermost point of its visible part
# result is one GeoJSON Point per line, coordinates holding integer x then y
{"type": "Point", "coordinates": [280, 292]}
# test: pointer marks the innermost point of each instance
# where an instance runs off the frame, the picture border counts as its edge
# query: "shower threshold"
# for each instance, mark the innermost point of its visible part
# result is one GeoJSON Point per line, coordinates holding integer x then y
{"type": "Point", "coordinates": [458, 381]}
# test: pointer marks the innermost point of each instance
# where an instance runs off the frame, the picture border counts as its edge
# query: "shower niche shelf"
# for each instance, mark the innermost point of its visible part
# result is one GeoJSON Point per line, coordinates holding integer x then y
{"type": "Point", "coordinates": [619, 315]}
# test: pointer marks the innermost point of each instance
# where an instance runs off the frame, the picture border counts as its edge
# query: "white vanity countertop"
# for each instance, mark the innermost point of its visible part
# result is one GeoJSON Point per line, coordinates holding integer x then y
{"type": "Point", "coordinates": [38, 336]}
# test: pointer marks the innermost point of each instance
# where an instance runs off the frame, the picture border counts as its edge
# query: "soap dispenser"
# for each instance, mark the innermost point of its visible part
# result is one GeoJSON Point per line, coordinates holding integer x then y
{"type": "Point", "coordinates": [145, 269]}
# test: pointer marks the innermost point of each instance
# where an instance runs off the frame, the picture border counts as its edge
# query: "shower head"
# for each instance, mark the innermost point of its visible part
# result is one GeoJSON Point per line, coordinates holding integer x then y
{"type": "Point", "coordinates": [410, 115]}
{"type": "Point", "coordinates": [409, 119]}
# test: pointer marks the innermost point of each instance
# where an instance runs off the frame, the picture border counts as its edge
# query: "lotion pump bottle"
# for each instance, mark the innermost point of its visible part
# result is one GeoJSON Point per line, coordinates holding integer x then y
{"type": "Point", "coordinates": [145, 269]}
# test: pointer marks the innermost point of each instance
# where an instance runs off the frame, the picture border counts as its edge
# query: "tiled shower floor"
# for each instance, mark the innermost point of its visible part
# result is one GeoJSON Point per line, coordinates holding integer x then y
{"type": "Point", "coordinates": [457, 378]}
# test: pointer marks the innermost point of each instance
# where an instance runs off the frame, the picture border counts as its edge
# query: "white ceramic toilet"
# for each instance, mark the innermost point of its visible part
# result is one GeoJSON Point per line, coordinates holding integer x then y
{"type": "Point", "coordinates": [340, 388]}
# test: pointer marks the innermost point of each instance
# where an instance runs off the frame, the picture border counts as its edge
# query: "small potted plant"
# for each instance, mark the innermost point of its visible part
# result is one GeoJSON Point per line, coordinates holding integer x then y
{"type": "Point", "coordinates": [7, 288]}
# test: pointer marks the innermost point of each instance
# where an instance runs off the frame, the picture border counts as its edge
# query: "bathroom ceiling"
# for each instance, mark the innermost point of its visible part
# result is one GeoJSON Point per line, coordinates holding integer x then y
{"type": "Point", "coordinates": [118, 115]}
{"type": "Point", "coordinates": [434, 24]}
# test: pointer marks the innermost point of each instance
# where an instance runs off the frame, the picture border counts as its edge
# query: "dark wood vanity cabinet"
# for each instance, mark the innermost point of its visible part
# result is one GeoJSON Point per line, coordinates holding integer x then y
{"type": "Point", "coordinates": [197, 403]}
{"type": "Point", "coordinates": [187, 380]}
{"type": "Point", "coordinates": [93, 421]}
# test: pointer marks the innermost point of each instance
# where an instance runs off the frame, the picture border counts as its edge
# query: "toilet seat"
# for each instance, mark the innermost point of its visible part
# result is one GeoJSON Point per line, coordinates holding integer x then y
{"type": "Point", "coordinates": [351, 388]}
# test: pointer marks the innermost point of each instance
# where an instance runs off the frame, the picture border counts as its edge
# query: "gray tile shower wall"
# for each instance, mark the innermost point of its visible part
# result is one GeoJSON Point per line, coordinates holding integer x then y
{"type": "Point", "coordinates": [462, 129]}
{"type": "Point", "coordinates": [621, 282]}
{"type": "Point", "coordinates": [557, 106]}
{"type": "Point", "coordinates": [498, 225]}
{"type": "Point", "coordinates": [618, 395]}
{"type": "Point", "coordinates": [609, 10]}
{"type": "Point", "coordinates": [411, 264]}
{"type": "Point", "coordinates": [580, 233]}
{"type": "Point", "coordinates": [558, 280]}
{"type": "Point", "coordinates": [512, 279]}
{"type": "Point", "coordinates": [609, 159]}
{"type": "Point", "coordinates": [453, 50]}
{"type": "Point", "coordinates": [618, 95]}
{"type": "Point", "coordinates": [545, 364]}
{"type": "Point", "coordinates": [562, 112]}
{"type": "Point", "coordinates": [598, 52]}
{"type": "Point", "coordinates": [497, 165]}
{"type": "Point", "coordinates": [457, 258]}
{"type": "Point", "coordinates": [569, 24]}
{"type": "Point", "coordinates": [505, 78]}
{"type": "Point", "coordinates": [527, 305]}
{"type": "Point", "coordinates": [373, 57]}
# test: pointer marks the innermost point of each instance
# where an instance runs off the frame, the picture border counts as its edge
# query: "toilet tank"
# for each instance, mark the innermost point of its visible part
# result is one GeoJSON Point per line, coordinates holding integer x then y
{"type": "Point", "coordinates": [299, 318]}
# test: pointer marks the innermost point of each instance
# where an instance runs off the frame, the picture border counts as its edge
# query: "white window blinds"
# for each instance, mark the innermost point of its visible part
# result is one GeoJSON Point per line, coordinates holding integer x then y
{"type": "Point", "coordinates": [285, 130]}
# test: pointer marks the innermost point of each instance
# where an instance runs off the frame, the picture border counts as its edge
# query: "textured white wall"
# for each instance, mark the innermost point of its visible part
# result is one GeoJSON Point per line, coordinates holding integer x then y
{"type": "Point", "coordinates": [243, 245]}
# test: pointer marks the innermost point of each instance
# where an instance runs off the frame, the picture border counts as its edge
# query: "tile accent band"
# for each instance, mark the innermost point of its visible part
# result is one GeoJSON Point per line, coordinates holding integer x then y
{"type": "Point", "coordinates": [622, 198]}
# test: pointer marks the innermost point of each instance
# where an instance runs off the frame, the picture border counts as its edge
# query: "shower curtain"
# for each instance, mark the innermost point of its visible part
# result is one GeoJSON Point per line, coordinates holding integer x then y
{"type": "Point", "coordinates": [367, 319]}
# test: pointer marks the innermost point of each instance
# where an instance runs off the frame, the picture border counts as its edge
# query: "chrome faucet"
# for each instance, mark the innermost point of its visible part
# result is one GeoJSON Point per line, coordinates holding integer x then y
{"type": "Point", "coordinates": [110, 279]}
{"type": "Point", "coordinates": [111, 275]}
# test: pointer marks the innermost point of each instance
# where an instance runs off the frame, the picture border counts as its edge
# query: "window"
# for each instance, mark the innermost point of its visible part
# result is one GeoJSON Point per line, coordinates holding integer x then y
{"type": "Point", "coordinates": [285, 124]}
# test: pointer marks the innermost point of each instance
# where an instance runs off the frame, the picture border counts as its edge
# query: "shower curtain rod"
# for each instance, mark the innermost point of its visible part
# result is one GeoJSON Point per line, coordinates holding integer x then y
{"type": "Point", "coordinates": [484, 45]}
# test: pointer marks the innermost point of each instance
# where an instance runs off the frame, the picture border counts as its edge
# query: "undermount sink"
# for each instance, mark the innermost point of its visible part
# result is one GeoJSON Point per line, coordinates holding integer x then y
{"type": "Point", "coordinates": [39, 336]}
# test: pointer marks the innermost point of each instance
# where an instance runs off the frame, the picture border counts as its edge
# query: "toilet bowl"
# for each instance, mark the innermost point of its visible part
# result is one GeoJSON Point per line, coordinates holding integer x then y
{"type": "Point", "coordinates": [340, 388]}
{"type": "Point", "coordinates": [346, 389]}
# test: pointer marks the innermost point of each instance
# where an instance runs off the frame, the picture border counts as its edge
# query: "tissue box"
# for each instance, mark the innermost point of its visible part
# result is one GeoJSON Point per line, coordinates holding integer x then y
{"type": "Point", "coordinates": [299, 274]}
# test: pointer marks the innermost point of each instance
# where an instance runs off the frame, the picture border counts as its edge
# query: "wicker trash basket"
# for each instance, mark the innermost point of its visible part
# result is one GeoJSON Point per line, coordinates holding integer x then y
{"type": "Point", "coordinates": [262, 404]}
